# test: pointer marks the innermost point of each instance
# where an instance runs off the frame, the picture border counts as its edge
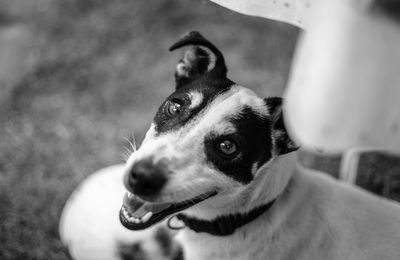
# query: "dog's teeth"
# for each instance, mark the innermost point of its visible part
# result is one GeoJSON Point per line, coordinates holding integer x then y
{"type": "Point", "coordinates": [147, 216]}
{"type": "Point", "coordinates": [127, 215]}
{"type": "Point", "coordinates": [136, 220]}
{"type": "Point", "coordinates": [130, 195]}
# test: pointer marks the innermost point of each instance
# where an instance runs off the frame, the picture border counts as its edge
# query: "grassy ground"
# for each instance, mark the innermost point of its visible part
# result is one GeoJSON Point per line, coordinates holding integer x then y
{"type": "Point", "coordinates": [94, 72]}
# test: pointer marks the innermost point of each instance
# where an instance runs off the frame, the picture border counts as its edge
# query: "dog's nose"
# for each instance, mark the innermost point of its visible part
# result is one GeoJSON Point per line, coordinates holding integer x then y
{"type": "Point", "coordinates": [146, 178]}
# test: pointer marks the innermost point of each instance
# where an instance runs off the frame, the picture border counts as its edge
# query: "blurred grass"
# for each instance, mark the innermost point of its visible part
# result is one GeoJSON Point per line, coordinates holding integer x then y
{"type": "Point", "coordinates": [97, 71]}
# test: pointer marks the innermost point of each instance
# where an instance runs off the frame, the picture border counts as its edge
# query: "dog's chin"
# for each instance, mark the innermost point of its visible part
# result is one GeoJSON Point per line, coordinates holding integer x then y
{"type": "Point", "coordinates": [137, 214]}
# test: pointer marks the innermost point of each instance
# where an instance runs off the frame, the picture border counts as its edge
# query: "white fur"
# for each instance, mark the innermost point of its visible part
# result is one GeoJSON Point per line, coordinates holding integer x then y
{"type": "Point", "coordinates": [196, 99]}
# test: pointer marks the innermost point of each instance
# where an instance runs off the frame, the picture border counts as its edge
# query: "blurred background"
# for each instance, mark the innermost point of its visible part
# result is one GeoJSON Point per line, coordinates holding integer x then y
{"type": "Point", "coordinates": [80, 77]}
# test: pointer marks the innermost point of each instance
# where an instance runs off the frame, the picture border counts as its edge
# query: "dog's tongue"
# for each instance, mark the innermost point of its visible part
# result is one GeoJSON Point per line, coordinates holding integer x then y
{"type": "Point", "coordinates": [138, 208]}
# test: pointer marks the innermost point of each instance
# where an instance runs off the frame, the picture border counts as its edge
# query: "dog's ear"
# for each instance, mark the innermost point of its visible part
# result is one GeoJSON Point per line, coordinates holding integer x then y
{"type": "Point", "coordinates": [203, 58]}
{"type": "Point", "coordinates": [282, 142]}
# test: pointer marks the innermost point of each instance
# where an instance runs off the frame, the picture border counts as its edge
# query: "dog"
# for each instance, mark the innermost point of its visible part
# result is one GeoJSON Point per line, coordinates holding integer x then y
{"type": "Point", "coordinates": [218, 160]}
{"type": "Point", "coordinates": [218, 164]}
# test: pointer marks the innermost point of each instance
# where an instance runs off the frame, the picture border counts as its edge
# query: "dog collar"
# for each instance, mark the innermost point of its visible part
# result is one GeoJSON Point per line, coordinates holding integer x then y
{"type": "Point", "coordinates": [224, 225]}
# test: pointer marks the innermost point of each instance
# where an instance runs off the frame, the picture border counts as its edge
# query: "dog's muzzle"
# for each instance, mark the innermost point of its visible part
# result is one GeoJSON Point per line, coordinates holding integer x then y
{"type": "Point", "coordinates": [137, 214]}
{"type": "Point", "coordinates": [144, 180]}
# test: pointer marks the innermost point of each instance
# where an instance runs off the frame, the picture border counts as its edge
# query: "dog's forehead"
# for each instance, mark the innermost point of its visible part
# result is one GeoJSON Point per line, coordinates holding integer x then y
{"type": "Point", "coordinates": [205, 101]}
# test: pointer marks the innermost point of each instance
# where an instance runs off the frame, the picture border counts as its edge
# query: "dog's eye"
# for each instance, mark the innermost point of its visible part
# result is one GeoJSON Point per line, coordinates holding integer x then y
{"type": "Point", "coordinates": [173, 108]}
{"type": "Point", "coordinates": [227, 147]}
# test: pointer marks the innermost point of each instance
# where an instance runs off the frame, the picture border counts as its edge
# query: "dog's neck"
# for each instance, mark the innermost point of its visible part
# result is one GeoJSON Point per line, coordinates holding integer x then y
{"type": "Point", "coordinates": [224, 225]}
{"type": "Point", "coordinates": [270, 181]}
{"type": "Point", "coordinates": [280, 172]}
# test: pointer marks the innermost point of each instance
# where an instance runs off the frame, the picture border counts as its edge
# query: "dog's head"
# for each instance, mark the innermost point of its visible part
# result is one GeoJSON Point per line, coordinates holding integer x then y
{"type": "Point", "coordinates": [206, 146]}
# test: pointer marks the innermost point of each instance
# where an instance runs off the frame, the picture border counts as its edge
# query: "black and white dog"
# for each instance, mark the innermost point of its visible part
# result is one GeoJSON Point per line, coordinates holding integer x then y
{"type": "Point", "coordinates": [218, 158]}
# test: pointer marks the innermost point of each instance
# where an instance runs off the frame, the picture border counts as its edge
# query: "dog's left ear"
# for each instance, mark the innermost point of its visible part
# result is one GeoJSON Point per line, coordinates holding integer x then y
{"type": "Point", "coordinates": [282, 142]}
{"type": "Point", "coordinates": [202, 59]}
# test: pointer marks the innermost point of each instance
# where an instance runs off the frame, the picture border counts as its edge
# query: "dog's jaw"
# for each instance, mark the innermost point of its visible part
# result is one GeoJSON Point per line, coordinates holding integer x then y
{"type": "Point", "coordinates": [136, 214]}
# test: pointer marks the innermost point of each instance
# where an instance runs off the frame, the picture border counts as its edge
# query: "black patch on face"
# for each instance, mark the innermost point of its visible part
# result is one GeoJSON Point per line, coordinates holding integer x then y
{"type": "Point", "coordinates": [207, 87]}
{"type": "Point", "coordinates": [253, 139]}
{"type": "Point", "coordinates": [132, 252]}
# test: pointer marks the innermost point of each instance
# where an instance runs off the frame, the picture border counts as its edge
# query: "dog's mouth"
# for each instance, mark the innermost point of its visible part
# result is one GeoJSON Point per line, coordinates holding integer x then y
{"type": "Point", "coordinates": [137, 214]}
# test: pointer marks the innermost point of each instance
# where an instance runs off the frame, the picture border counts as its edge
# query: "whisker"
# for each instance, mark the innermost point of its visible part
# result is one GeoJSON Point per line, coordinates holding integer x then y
{"type": "Point", "coordinates": [130, 149]}
{"type": "Point", "coordinates": [133, 143]}
{"type": "Point", "coordinates": [130, 145]}
{"type": "Point", "coordinates": [127, 150]}
{"type": "Point", "coordinates": [125, 155]}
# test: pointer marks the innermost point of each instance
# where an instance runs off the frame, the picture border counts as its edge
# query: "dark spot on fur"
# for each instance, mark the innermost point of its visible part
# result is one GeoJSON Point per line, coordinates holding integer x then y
{"type": "Point", "coordinates": [193, 74]}
{"type": "Point", "coordinates": [169, 247]}
{"type": "Point", "coordinates": [208, 88]}
{"type": "Point", "coordinates": [253, 137]}
{"type": "Point", "coordinates": [178, 255]}
{"type": "Point", "coordinates": [132, 252]}
{"type": "Point", "coordinates": [164, 239]}
{"type": "Point", "coordinates": [193, 64]}
{"type": "Point", "coordinates": [283, 143]}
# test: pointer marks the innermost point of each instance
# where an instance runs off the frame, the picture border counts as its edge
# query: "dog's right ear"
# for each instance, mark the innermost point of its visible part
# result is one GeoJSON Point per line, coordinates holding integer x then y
{"type": "Point", "coordinates": [282, 142]}
{"type": "Point", "coordinates": [202, 59]}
